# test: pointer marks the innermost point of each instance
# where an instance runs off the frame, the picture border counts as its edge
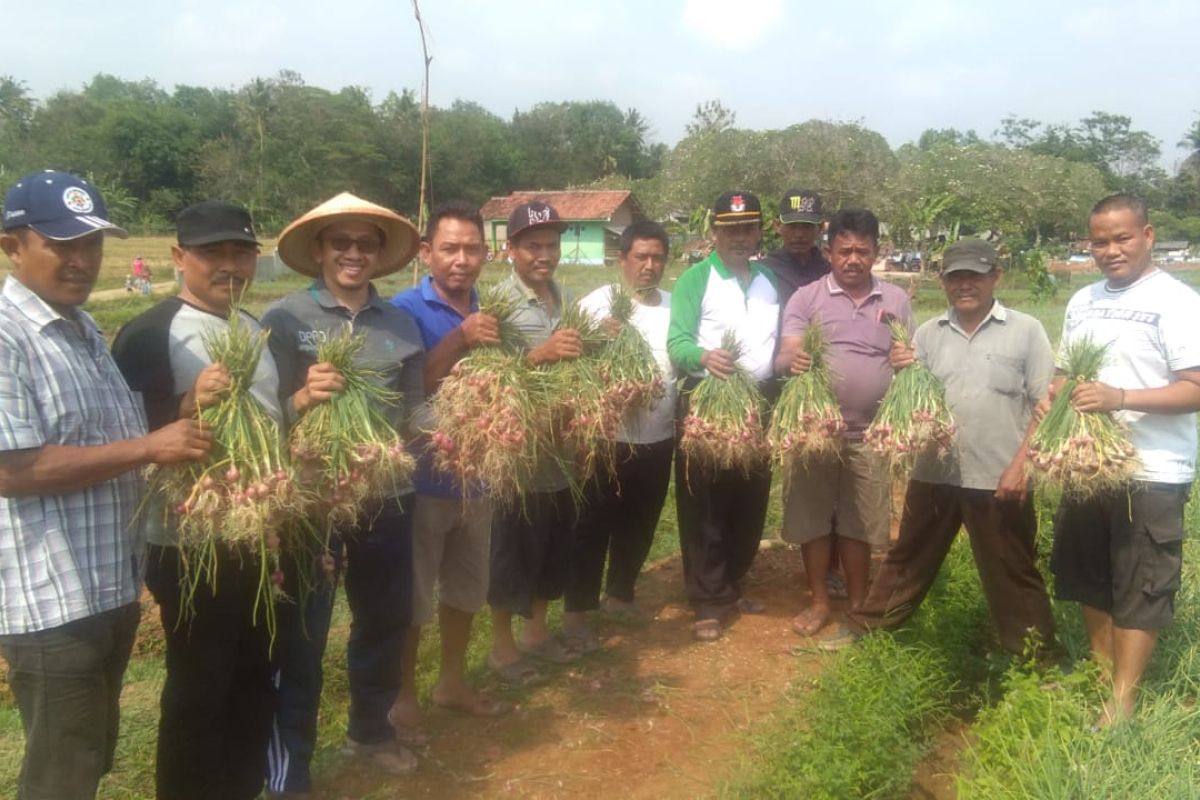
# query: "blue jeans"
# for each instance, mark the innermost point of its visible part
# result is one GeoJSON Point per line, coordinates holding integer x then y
{"type": "Point", "coordinates": [378, 573]}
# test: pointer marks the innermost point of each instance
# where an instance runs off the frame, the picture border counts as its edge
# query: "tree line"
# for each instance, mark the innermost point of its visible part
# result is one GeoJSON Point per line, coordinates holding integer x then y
{"type": "Point", "coordinates": [279, 146]}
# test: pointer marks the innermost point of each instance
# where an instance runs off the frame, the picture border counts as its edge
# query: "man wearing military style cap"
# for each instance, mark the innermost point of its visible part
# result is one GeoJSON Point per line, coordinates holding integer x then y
{"type": "Point", "coordinates": [996, 364]}
{"type": "Point", "coordinates": [800, 261]}
{"type": "Point", "coordinates": [721, 512]}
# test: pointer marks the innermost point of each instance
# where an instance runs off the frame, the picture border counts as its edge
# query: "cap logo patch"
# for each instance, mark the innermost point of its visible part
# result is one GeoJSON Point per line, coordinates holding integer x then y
{"type": "Point", "coordinates": [537, 217]}
{"type": "Point", "coordinates": [737, 203]}
{"type": "Point", "coordinates": [78, 201]}
{"type": "Point", "coordinates": [803, 204]}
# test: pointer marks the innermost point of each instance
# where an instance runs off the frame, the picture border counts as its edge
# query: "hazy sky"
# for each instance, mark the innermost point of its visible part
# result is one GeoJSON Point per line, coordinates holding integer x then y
{"type": "Point", "coordinates": [897, 67]}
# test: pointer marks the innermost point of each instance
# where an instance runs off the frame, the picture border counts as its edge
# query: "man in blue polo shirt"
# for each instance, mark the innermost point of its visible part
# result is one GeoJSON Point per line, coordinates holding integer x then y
{"type": "Point", "coordinates": [451, 523]}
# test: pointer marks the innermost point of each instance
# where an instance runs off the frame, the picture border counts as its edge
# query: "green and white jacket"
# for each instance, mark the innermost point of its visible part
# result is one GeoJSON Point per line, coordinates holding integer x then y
{"type": "Point", "coordinates": [708, 300]}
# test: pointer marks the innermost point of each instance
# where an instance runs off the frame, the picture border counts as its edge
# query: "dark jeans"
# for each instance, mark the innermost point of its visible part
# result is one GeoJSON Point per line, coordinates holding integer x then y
{"type": "Point", "coordinates": [217, 700]}
{"type": "Point", "coordinates": [67, 683]}
{"type": "Point", "coordinates": [378, 573]}
{"type": "Point", "coordinates": [618, 521]}
{"type": "Point", "coordinates": [1002, 541]}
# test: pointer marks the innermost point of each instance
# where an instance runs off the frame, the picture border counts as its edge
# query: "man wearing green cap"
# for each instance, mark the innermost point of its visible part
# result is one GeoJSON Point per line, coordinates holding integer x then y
{"type": "Point", "coordinates": [800, 261]}
{"type": "Point", "coordinates": [721, 512]}
{"type": "Point", "coordinates": [996, 364]}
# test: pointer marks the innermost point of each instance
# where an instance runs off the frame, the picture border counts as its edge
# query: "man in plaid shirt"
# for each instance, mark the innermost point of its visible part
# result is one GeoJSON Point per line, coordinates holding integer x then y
{"type": "Point", "coordinates": [72, 440]}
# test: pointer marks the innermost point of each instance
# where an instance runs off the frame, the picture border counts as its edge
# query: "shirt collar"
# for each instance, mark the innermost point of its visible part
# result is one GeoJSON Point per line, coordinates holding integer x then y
{"type": "Point", "coordinates": [832, 286]}
{"type": "Point", "coordinates": [998, 312]}
{"type": "Point", "coordinates": [324, 298]}
{"type": "Point", "coordinates": [429, 295]}
{"type": "Point", "coordinates": [755, 267]}
{"type": "Point", "coordinates": [37, 310]}
{"type": "Point", "coordinates": [530, 296]}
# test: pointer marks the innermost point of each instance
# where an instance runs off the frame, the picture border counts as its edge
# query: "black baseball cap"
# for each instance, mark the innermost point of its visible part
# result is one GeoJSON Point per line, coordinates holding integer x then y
{"type": "Point", "coordinates": [214, 221]}
{"type": "Point", "coordinates": [974, 255]}
{"type": "Point", "coordinates": [736, 208]}
{"type": "Point", "coordinates": [800, 205]}
{"type": "Point", "coordinates": [534, 215]}
{"type": "Point", "coordinates": [58, 205]}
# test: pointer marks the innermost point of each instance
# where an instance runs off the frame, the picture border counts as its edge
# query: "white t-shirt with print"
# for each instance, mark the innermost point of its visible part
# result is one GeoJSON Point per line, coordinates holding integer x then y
{"type": "Point", "coordinates": [645, 426]}
{"type": "Point", "coordinates": [1151, 329]}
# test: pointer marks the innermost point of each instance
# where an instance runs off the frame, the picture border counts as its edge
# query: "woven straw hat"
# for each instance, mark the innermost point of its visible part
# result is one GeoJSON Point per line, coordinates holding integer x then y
{"type": "Point", "coordinates": [400, 236]}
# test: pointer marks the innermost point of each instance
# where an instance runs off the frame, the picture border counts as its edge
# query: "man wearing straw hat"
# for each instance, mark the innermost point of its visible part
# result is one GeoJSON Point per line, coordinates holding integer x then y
{"type": "Point", "coordinates": [72, 442]}
{"type": "Point", "coordinates": [217, 699]}
{"type": "Point", "coordinates": [343, 244]}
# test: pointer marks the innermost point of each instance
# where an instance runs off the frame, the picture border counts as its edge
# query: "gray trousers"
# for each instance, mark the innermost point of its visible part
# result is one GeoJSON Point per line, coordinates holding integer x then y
{"type": "Point", "coordinates": [67, 683]}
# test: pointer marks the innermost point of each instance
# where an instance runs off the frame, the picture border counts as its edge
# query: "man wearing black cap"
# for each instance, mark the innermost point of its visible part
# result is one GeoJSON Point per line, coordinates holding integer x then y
{"type": "Point", "coordinates": [996, 364]}
{"type": "Point", "coordinates": [532, 539]}
{"type": "Point", "coordinates": [217, 698]}
{"type": "Point", "coordinates": [800, 261]}
{"type": "Point", "coordinates": [721, 513]}
{"type": "Point", "coordinates": [72, 442]}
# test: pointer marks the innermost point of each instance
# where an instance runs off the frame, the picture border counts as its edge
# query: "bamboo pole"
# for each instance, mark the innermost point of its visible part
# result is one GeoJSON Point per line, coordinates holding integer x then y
{"type": "Point", "coordinates": [424, 133]}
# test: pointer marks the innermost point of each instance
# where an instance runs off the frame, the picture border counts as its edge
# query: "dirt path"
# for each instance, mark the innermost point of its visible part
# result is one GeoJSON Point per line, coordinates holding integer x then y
{"type": "Point", "coordinates": [162, 287]}
{"type": "Point", "coordinates": [653, 715]}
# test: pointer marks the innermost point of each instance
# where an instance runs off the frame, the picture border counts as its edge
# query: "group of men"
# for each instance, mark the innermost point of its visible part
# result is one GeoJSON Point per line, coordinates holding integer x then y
{"type": "Point", "coordinates": [77, 425]}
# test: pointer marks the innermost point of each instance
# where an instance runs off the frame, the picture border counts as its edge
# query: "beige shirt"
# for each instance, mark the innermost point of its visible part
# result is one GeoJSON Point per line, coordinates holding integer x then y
{"type": "Point", "coordinates": [994, 377]}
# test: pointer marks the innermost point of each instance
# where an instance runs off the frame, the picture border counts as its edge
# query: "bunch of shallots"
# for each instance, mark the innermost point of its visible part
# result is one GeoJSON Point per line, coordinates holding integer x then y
{"type": "Point", "coordinates": [626, 366]}
{"type": "Point", "coordinates": [240, 496]}
{"type": "Point", "coordinates": [491, 414]}
{"type": "Point", "coordinates": [723, 429]}
{"type": "Point", "coordinates": [913, 417]}
{"type": "Point", "coordinates": [1081, 453]}
{"type": "Point", "coordinates": [807, 423]}
{"type": "Point", "coordinates": [584, 424]}
{"type": "Point", "coordinates": [346, 450]}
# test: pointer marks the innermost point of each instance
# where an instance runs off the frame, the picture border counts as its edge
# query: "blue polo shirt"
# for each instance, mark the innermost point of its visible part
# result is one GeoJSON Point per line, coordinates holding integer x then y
{"type": "Point", "coordinates": [435, 319]}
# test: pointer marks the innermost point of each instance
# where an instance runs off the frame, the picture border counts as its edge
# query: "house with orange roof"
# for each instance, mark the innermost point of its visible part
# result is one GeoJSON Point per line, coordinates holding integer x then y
{"type": "Point", "coordinates": [595, 219]}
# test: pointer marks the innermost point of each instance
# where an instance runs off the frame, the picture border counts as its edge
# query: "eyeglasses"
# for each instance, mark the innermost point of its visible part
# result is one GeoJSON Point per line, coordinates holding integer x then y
{"type": "Point", "coordinates": [342, 243]}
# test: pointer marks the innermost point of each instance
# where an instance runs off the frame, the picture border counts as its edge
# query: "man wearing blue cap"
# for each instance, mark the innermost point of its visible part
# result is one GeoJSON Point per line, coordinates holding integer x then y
{"type": "Point", "coordinates": [72, 442]}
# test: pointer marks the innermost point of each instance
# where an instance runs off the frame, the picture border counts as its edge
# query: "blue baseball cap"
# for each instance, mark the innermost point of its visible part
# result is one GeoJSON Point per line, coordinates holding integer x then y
{"type": "Point", "coordinates": [57, 205]}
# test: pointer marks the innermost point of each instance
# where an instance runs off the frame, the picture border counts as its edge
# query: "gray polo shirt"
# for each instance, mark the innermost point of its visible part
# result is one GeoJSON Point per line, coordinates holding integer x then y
{"type": "Point", "coordinates": [300, 321]}
{"type": "Point", "coordinates": [994, 377]}
{"type": "Point", "coordinates": [536, 323]}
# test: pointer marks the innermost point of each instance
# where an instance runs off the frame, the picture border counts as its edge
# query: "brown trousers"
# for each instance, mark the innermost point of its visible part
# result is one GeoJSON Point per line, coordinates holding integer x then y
{"type": "Point", "coordinates": [1002, 541]}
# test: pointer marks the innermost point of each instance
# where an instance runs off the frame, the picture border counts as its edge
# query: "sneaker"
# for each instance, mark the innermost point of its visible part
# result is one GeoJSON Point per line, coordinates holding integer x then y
{"type": "Point", "coordinates": [389, 756]}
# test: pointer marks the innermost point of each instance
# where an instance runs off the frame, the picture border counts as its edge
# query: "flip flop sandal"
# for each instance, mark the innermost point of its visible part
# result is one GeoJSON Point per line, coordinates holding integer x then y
{"type": "Point", "coordinates": [584, 644]}
{"type": "Point", "coordinates": [413, 736]}
{"type": "Point", "coordinates": [706, 630]}
{"type": "Point", "coordinates": [811, 625]}
{"type": "Point", "coordinates": [517, 674]}
{"type": "Point", "coordinates": [549, 649]}
{"type": "Point", "coordinates": [749, 605]}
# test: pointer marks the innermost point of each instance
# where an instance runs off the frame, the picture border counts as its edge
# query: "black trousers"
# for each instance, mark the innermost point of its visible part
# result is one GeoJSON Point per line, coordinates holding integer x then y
{"type": "Point", "coordinates": [217, 700]}
{"type": "Point", "coordinates": [531, 551]}
{"type": "Point", "coordinates": [617, 522]}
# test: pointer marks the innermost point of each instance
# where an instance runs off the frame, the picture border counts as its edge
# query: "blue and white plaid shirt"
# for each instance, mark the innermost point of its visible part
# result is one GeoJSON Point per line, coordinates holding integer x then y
{"type": "Point", "coordinates": [68, 556]}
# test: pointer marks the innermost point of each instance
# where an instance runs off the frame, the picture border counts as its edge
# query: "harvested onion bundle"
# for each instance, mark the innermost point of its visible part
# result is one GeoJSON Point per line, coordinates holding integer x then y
{"type": "Point", "coordinates": [807, 422]}
{"type": "Point", "coordinates": [723, 429]}
{"type": "Point", "coordinates": [346, 450]}
{"type": "Point", "coordinates": [240, 496]}
{"type": "Point", "coordinates": [491, 417]}
{"type": "Point", "coordinates": [626, 365]}
{"type": "Point", "coordinates": [1081, 453]}
{"type": "Point", "coordinates": [584, 423]}
{"type": "Point", "coordinates": [913, 417]}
